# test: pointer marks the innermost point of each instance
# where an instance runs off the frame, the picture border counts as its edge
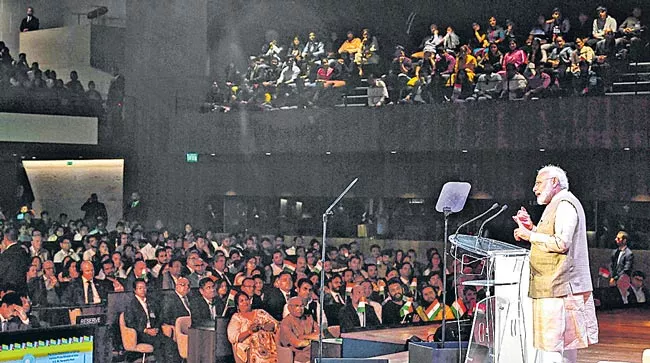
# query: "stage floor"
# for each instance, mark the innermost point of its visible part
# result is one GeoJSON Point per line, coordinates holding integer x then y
{"type": "Point", "coordinates": [624, 335]}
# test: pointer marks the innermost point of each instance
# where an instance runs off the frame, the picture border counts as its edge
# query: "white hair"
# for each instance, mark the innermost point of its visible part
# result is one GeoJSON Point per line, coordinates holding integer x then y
{"type": "Point", "coordinates": [556, 172]}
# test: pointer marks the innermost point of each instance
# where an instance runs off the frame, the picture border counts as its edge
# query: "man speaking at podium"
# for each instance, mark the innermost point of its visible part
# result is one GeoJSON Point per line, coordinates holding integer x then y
{"type": "Point", "coordinates": [564, 316]}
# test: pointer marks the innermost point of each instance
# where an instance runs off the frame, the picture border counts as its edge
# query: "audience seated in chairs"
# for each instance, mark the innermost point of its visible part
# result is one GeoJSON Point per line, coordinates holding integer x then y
{"type": "Point", "coordinates": [87, 290]}
{"type": "Point", "coordinates": [158, 323]}
{"type": "Point", "coordinates": [637, 293]}
{"type": "Point", "coordinates": [629, 291]}
{"type": "Point", "coordinates": [28, 89]}
{"type": "Point", "coordinates": [260, 89]}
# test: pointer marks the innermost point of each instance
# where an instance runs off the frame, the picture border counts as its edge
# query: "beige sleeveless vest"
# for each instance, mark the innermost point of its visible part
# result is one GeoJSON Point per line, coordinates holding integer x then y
{"type": "Point", "coordinates": [560, 274]}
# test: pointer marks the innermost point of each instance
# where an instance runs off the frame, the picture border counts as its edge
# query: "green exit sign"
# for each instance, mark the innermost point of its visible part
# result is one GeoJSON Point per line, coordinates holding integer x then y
{"type": "Point", "coordinates": [192, 157]}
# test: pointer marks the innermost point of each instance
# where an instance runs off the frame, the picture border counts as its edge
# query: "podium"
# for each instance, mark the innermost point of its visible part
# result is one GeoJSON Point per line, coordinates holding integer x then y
{"type": "Point", "coordinates": [502, 327]}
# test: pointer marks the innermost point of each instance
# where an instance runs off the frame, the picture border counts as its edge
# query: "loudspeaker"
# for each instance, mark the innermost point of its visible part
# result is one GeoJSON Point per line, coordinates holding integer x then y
{"type": "Point", "coordinates": [453, 333]}
{"type": "Point", "coordinates": [434, 352]}
{"type": "Point", "coordinates": [97, 12]}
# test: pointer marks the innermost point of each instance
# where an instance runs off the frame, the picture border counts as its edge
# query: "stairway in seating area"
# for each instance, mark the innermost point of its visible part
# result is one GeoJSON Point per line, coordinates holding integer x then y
{"type": "Point", "coordinates": [357, 96]}
{"type": "Point", "coordinates": [634, 80]}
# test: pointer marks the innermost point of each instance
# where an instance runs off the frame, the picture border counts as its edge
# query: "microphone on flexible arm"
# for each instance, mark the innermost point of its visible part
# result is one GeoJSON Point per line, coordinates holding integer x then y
{"type": "Point", "coordinates": [493, 207]}
{"type": "Point", "coordinates": [480, 230]}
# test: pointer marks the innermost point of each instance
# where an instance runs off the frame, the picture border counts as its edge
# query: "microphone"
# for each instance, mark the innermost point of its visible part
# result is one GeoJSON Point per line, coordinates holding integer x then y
{"type": "Point", "coordinates": [493, 207]}
{"type": "Point", "coordinates": [480, 230]}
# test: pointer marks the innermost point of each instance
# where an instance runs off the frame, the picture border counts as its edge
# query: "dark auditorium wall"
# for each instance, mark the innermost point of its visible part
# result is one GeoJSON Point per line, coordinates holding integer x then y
{"type": "Point", "coordinates": [107, 47]}
{"type": "Point", "coordinates": [607, 123]}
{"type": "Point", "coordinates": [166, 47]}
{"type": "Point", "coordinates": [165, 58]}
{"type": "Point", "coordinates": [181, 189]}
{"type": "Point", "coordinates": [237, 27]}
{"type": "Point", "coordinates": [9, 169]}
{"type": "Point", "coordinates": [587, 137]}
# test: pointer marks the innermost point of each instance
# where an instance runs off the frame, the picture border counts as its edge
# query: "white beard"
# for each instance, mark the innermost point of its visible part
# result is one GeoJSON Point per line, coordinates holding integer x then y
{"type": "Point", "coordinates": [545, 196]}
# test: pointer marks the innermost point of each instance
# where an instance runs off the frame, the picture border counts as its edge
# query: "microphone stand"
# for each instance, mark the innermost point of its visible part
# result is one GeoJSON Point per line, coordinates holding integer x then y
{"type": "Point", "coordinates": [447, 212]}
{"type": "Point", "coordinates": [478, 237]}
{"type": "Point", "coordinates": [480, 230]}
{"type": "Point", "coordinates": [328, 212]}
{"type": "Point", "coordinates": [493, 207]}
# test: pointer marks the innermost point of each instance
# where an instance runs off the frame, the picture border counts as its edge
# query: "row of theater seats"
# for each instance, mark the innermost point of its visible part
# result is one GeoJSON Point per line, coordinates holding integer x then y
{"type": "Point", "coordinates": [130, 340]}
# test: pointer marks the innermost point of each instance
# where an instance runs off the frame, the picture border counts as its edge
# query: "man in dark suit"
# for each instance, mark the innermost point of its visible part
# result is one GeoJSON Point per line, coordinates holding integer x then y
{"type": "Point", "coordinates": [139, 271]}
{"type": "Point", "coordinates": [30, 22]}
{"type": "Point", "coordinates": [14, 260]}
{"type": "Point", "coordinates": [248, 287]}
{"type": "Point", "coordinates": [333, 299]}
{"type": "Point", "coordinates": [133, 209]}
{"type": "Point", "coordinates": [198, 272]}
{"type": "Point", "coordinates": [87, 289]}
{"type": "Point", "coordinates": [277, 297]}
{"type": "Point", "coordinates": [204, 307]}
{"type": "Point", "coordinates": [622, 259]}
{"type": "Point", "coordinates": [175, 304]}
{"type": "Point", "coordinates": [219, 269]}
{"type": "Point", "coordinates": [142, 316]}
{"type": "Point", "coordinates": [357, 313]}
{"type": "Point", "coordinates": [172, 275]}
{"type": "Point", "coordinates": [94, 209]}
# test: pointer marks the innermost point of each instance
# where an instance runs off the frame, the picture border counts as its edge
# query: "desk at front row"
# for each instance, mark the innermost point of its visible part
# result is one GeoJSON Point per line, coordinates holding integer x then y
{"type": "Point", "coordinates": [210, 344]}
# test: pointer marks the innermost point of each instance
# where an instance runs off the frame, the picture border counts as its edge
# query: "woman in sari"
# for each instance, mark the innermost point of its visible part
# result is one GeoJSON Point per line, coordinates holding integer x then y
{"type": "Point", "coordinates": [252, 333]}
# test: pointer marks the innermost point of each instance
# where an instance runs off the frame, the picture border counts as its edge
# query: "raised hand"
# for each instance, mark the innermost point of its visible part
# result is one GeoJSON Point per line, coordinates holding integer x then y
{"type": "Point", "coordinates": [523, 217]}
{"type": "Point", "coordinates": [521, 232]}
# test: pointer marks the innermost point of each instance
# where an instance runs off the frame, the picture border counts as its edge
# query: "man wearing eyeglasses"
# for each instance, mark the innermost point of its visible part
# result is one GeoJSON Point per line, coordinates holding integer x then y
{"type": "Point", "coordinates": [175, 305]}
{"type": "Point", "coordinates": [205, 308]}
{"type": "Point", "coordinates": [564, 316]}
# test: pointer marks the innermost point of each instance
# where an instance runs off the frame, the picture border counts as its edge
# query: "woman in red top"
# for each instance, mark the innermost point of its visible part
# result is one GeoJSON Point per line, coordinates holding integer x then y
{"type": "Point", "coordinates": [324, 76]}
{"type": "Point", "coordinates": [515, 56]}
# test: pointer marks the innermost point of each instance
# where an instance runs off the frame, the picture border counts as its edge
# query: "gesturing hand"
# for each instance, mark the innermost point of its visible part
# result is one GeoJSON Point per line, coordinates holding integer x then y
{"type": "Point", "coordinates": [521, 232]}
{"type": "Point", "coordinates": [523, 217]}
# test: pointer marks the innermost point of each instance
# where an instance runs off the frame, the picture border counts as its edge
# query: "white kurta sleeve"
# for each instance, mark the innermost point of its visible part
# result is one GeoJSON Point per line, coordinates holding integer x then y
{"type": "Point", "coordinates": [566, 220]}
